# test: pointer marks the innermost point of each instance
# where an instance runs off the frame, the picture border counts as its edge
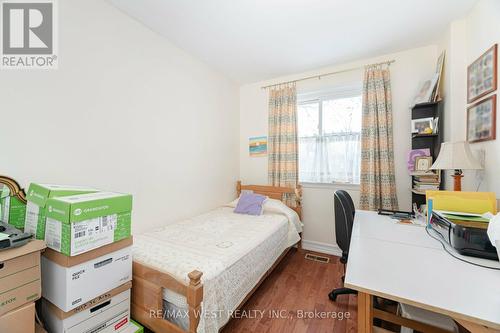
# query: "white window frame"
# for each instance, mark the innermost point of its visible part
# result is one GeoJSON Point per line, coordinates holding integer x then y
{"type": "Point", "coordinates": [320, 96]}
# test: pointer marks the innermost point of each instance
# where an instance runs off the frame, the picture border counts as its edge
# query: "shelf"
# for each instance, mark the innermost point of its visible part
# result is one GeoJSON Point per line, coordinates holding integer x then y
{"type": "Point", "coordinates": [413, 136]}
{"type": "Point", "coordinates": [423, 173]}
{"type": "Point", "coordinates": [418, 192]}
{"type": "Point", "coordinates": [425, 105]}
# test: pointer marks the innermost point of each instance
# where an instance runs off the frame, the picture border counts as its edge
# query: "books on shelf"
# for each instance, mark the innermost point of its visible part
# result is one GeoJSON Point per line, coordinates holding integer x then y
{"type": "Point", "coordinates": [425, 181]}
{"type": "Point", "coordinates": [422, 188]}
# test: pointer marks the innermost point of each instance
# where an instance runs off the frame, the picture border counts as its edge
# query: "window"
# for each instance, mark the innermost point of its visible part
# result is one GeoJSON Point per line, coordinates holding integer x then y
{"type": "Point", "coordinates": [329, 130]}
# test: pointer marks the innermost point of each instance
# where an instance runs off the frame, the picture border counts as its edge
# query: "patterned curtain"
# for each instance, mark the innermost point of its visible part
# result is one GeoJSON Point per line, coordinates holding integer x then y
{"type": "Point", "coordinates": [282, 141]}
{"type": "Point", "coordinates": [377, 179]}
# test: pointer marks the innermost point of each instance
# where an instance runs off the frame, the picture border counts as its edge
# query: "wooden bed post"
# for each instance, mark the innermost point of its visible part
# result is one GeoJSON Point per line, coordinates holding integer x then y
{"type": "Point", "coordinates": [238, 188]}
{"type": "Point", "coordinates": [298, 202]}
{"type": "Point", "coordinates": [194, 298]}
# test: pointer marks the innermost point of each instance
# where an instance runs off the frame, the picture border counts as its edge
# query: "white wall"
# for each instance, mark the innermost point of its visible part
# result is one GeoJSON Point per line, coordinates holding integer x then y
{"type": "Point", "coordinates": [125, 111]}
{"type": "Point", "coordinates": [411, 67]}
{"type": "Point", "coordinates": [464, 42]}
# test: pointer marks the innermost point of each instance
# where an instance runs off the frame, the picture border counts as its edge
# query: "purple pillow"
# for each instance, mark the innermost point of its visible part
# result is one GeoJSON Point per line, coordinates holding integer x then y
{"type": "Point", "coordinates": [250, 203]}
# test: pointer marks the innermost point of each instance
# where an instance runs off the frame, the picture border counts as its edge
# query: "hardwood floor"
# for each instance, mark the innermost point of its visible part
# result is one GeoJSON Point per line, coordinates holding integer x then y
{"type": "Point", "coordinates": [298, 285]}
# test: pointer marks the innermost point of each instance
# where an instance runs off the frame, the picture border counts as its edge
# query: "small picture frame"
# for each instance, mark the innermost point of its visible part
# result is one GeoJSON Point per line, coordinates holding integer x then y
{"type": "Point", "coordinates": [424, 94]}
{"type": "Point", "coordinates": [422, 125]}
{"type": "Point", "coordinates": [413, 154]}
{"type": "Point", "coordinates": [481, 120]}
{"type": "Point", "coordinates": [423, 163]}
{"type": "Point", "coordinates": [482, 75]}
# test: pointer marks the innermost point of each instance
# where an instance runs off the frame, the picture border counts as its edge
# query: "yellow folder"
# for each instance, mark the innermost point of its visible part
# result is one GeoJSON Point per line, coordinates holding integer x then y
{"type": "Point", "coordinates": [466, 202]}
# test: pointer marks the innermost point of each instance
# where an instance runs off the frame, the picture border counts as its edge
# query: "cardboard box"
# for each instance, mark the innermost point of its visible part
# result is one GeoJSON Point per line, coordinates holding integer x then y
{"type": "Point", "coordinates": [68, 286]}
{"type": "Point", "coordinates": [37, 197]}
{"type": "Point", "coordinates": [134, 327]}
{"type": "Point", "coordinates": [109, 312]}
{"type": "Point", "coordinates": [20, 320]}
{"type": "Point", "coordinates": [20, 275]}
{"type": "Point", "coordinates": [13, 210]}
{"type": "Point", "coordinates": [80, 223]}
{"type": "Point", "coordinates": [65, 261]}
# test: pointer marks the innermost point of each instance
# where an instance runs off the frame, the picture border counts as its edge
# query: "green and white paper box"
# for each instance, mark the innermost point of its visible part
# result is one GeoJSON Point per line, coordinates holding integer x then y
{"type": "Point", "coordinates": [12, 209]}
{"type": "Point", "coordinates": [37, 197]}
{"type": "Point", "coordinates": [134, 327]}
{"type": "Point", "coordinates": [80, 223]}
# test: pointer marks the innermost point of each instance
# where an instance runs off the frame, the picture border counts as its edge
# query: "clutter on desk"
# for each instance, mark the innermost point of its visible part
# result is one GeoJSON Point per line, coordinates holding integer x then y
{"type": "Point", "coordinates": [462, 219]}
{"type": "Point", "coordinates": [469, 238]}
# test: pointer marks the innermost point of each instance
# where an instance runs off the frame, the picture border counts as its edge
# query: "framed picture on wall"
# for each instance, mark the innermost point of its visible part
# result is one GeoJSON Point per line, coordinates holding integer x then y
{"type": "Point", "coordinates": [482, 75]}
{"type": "Point", "coordinates": [481, 120]}
{"type": "Point", "coordinates": [257, 146]}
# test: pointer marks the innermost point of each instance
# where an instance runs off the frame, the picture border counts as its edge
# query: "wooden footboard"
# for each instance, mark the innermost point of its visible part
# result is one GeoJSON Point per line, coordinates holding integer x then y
{"type": "Point", "coordinates": [147, 298]}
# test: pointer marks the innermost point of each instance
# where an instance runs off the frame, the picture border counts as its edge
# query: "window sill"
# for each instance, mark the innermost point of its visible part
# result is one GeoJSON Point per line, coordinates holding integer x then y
{"type": "Point", "coordinates": [336, 186]}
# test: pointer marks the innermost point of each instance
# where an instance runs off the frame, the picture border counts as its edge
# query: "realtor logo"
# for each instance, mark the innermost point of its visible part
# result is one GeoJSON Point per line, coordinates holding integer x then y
{"type": "Point", "coordinates": [28, 34]}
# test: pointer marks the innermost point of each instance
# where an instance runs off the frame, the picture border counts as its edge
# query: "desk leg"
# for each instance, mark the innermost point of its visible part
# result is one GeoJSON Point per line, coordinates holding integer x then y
{"type": "Point", "coordinates": [365, 313]}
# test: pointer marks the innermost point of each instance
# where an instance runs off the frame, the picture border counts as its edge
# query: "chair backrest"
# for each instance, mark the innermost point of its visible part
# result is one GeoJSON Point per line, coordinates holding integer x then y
{"type": "Point", "coordinates": [344, 219]}
{"type": "Point", "coordinates": [349, 200]}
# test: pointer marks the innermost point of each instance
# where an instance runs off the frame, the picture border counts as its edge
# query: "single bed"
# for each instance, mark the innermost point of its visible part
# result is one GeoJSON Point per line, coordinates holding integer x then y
{"type": "Point", "coordinates": [189, 276]}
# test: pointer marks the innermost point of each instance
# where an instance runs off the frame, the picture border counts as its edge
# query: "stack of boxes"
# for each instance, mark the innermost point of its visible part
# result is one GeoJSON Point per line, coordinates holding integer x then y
{"type": "Point", "coordinates": [20, 287]}
{"type": "Point", "coordinates": [87, 266]}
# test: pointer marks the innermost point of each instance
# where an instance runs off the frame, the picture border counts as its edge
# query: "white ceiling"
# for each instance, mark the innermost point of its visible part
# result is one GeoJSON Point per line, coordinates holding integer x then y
{"type": "Point", "coordinates": [253, 40]}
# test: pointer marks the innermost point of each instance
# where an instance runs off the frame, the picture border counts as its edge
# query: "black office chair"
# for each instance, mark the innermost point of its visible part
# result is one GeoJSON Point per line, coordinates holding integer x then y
{"type": "Point", "coordinates": [344, 219]}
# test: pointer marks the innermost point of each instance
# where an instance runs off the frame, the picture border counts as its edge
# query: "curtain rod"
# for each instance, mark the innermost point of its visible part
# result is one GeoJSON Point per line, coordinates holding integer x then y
{"type": "Point", "coordinates": [319, 76]}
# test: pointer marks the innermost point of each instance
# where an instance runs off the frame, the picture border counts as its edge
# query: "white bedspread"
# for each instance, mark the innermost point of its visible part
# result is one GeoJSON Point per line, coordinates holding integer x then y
{"type": "Point", "coordinates": [232, 250]}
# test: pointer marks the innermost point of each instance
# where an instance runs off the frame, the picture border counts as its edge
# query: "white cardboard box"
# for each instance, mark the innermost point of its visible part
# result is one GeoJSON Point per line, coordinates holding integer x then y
{"type": "Point", "coordinates": [69, 287]}
{"type": "Point", "coordinates": [109, 315]}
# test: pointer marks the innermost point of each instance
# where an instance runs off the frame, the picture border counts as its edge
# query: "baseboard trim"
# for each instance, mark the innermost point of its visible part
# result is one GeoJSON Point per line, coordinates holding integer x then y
{"type": "Point", "coordinates": [320, 247]}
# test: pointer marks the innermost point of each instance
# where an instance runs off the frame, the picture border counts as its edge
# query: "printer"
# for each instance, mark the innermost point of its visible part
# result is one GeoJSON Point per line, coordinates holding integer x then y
{"type": "Point", "coordinates": [467, 238]}
{"type": "Point", "coordinates": [11, 237]}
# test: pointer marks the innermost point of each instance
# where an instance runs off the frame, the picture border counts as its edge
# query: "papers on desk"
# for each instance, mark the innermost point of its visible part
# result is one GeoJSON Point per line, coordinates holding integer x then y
{"type": "Point", "coordinates": [469, 202]}
{"type": "Point", "coordinates": [463, 216]}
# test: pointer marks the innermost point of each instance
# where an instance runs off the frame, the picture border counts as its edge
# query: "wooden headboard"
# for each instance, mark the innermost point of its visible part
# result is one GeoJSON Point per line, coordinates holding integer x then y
{"type": "Point", "coordinates": [275, 192]}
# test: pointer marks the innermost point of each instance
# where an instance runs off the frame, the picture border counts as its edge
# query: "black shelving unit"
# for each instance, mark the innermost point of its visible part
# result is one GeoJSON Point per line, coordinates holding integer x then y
{"type": "Point", "coordinates": [431, 141]}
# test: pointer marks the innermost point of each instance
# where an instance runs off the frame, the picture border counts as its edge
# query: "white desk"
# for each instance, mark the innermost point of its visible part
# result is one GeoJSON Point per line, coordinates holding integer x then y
{"type": "Point", "coordinates": [403, 263]}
